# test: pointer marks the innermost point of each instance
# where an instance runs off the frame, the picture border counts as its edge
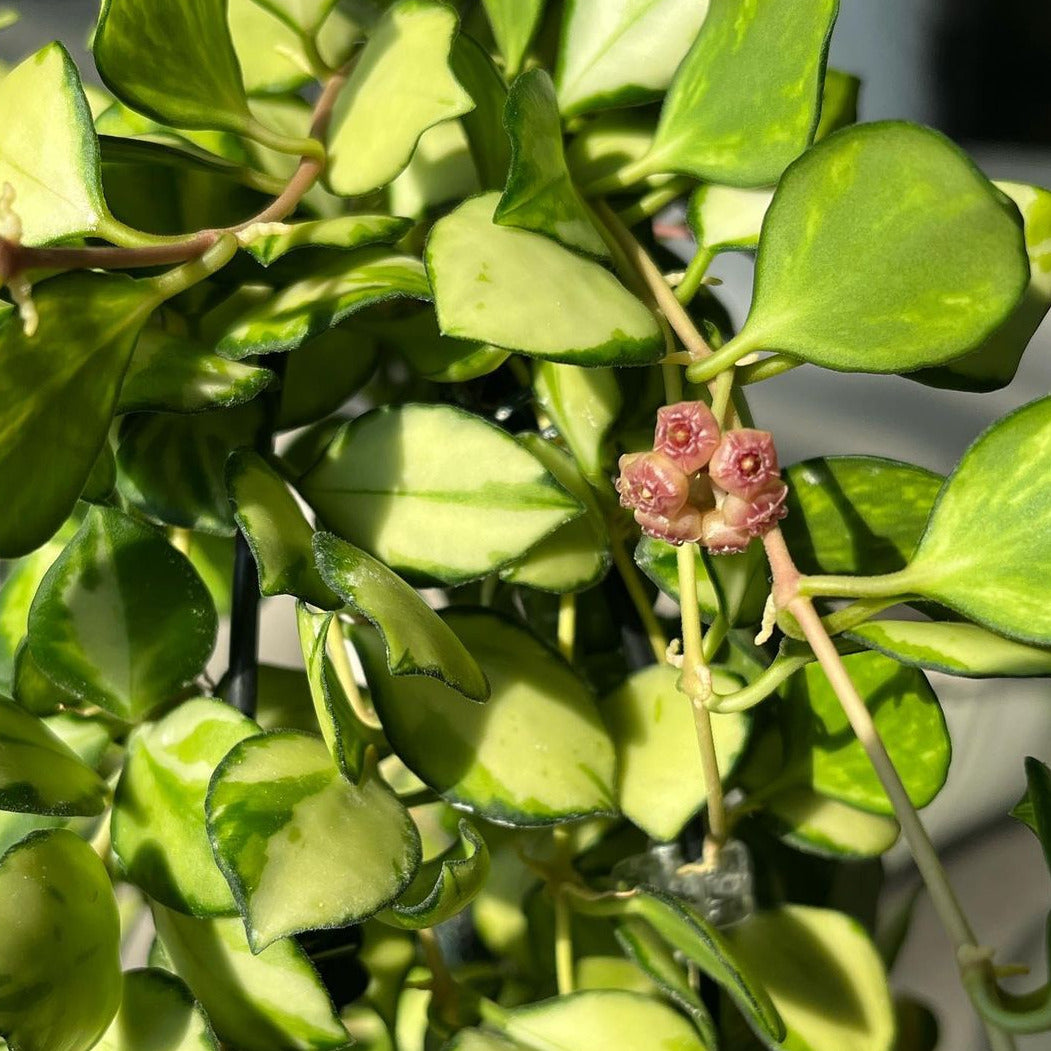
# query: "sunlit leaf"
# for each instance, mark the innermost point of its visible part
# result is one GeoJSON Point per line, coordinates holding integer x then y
{"type": "Point", "coordinates": [513, 23]}
{"type": "Point", "coordinates": [268, 242]}
{"type": "Point", "coordinates": [442, 169]}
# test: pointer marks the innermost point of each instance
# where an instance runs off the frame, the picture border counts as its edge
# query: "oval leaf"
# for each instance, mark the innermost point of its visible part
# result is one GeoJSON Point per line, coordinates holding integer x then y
{"type": "Point", "coordinates": [816, 824]}
{"type": "Point", "coordinates": [725, 218]}
{"type": "Point", "coordinates": [513, 23]}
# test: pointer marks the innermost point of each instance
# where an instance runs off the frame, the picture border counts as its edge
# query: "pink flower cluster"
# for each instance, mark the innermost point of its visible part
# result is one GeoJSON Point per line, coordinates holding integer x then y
{"type": "Point", "coordinates": [738, 497]}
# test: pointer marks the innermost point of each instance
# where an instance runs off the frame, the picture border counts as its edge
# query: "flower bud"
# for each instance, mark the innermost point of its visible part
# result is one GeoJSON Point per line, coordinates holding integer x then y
{"type": "Point", "coordinates": [758, 514]}
{"type": "Point", "coordinates": [720, 538]}
{"type": "Point", "coordinates": [684, 527]}
{"type": "Point", "coordinates": [687, 433]}
{"type": "Point", "coordinates": [652, 483]}
{"type": "Point", "coordinates": [744, 462]}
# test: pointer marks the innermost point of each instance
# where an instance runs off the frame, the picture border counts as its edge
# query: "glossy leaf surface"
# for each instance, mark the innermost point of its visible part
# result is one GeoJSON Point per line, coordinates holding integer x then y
{"type": "Point", "coordinates": [491, 283]}
{"type": "Point", "coordinates": [268, 242]}
{"type": "Point", "coordinates": [157, 1013]}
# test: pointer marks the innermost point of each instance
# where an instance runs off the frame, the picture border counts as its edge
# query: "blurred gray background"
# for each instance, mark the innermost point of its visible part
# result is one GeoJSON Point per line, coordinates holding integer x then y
{"type": "Point", "coordinates": [976, 69]}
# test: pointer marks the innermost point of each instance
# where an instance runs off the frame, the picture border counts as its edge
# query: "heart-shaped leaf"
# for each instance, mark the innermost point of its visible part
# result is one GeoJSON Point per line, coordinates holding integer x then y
{"type": "Point", "coordinates": [266, 1002]}
{"type": "Point", "coordinates": [158, 824]}
{"type": "Point", "coordinates": [816, 824]}
{"type": "Point", "coordinates": [268, 242]}
{"type": "Point", "coordinates": [540, 194]}
{"type": "Point", "coordinates": [122, 619]}
{"type": "Point", "coordinates": [284, 826]}
{"type": "Point", "coordinates": [60, 991]}
{"type": "Point", "coordinates": [847, 290]}
{"type": "Point", "coordinates": [513, 23]}
{"type": "Point", "coordinates": [193, 81]}
{"type": "Point", "coordinates": [745, 101]}
{"type": "Point", "coordinates": [400, 86]}
{"type": "Point", "coordinates": [660, 780]}
{"type": "Point", "coordinates": [157, 1013]}
{"type": "Point", "coordinates": [492, 282]}
{"type": "Point", "coordinates": [39, 773]}
{"type": "Point", "coordinates": [727, 218]}
{"type": "Point", "coordinates": [472, 754]}
{"type": "Point", "coordinates": [417, 640]}
{"type": "Point", "coordinates": [58, 391]}
{"type": "Point", "coordinates": [823, 973]}
{"type": "Point", "coordinates": [278, 534]}
{"type": "Point", "coordinates": [622, 52]}
{"type": "Point", "coordinates": [408, 484]}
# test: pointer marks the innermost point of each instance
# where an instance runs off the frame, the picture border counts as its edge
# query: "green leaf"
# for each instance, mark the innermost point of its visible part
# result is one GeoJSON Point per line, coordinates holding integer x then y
{"type": "Point", "coordinates": [143, 628]}
{"type": "Point", "coordinates": [660, 781]}
{"type": "Point", "coordinates": [824, 294]}
{"type": "Point", "coordinates": [909, 720]}
{"type": "Point", "coordinates": [273, 1001]}
{"type": "Point", "coordinates": [953, 648]}
{"type": "Point", "coordinates": [610, 142]}
{"type": "Point", "coordinates": [48, 149]}
{"type": "Point", "coordinates": [577, 555]}
{"type": "Point", "coordinates": [445, 885]}
{"type": "Point", "coordinates": [328, 293]}
{"type": "Point", "coordinates": [301, 847]}
{"type": "Point", "coordinates": [33, 690]}
{"type": "Point", "coordinates": [158, 825]}
{"type": "Point", "coordinates": [442, 169]}
{"type": "Point", "coordinates": [284, 701]}
{"type": "Point", "coordinates": [540, 195]}
{"type": "Point", "coordinates": [839, 102]}
{"type": "Point", "coordinates": [483, 126]}
{"type": "Point", "coordinates": [840, 520]}
{"type": "Point", "coordinates": [491, 283]}
{"type": "Point", "coordinates": [994, 364]}
{"type": "Point", "coordinates": [268, 242]}
{"type": "Point", "coordinates": [823, 973]}
{"type": "Point", "coordinates": [58, 391]}
{"type": "Point", "coordinates": [727, 218]}
{"type": "Point", "coordinates": [1034, 808]}
{"type": "Point", "coordinates": [983, 562]}
{"type": "Point", "coordinates": [582, 404]}
{"type": "Point", "coordinates": [745, 101]}
{"type": "Point", "coordinates": [514, 22]}
{"type": "Point", "coordinates": [400, 86]}
{"type": "Point", "coordinates": [170, 373]}
{"type": "Point", "coordinates": [39, 773]}
{"type": "Point", "coordinates": [622, 52]}
{"type": "Point", "coordinates": [279, 536]}
{"type": "Point", "coordinates": [60, 954]}
{"type": "Point", "coordinates": [192, 81]}
{"type": "Point", "coordinates": [816, 824]}
{"type": "Point", "coordinates": [158, 1013]}
{"type": "Point", "coordinates": [409, 484]}
{"type": "Point", "coordinates": [307, 16]}
{"type": "Point", "coordinates": [417, 640]}
{"type": "Point", "coordinates": [172, 466]}
{"type": "Point", "coordinates": [472, 754]}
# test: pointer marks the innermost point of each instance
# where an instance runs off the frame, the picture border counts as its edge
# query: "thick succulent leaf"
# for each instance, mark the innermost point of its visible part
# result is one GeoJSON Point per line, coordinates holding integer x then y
{"type": "Point", "coordinates": [994, 364]}
{"type": "Point", "coordinates": [157, 1013]}
{"type": "Point", "coordinates": [983, 563]}
{"type": "Point", "coordinates": [909, 720]}
{"type": "Point", "coordinates": [409, 484]}
{"type": "Point", "coordinates": [839, 102]}
{"type": "Point", "coordinates": [953, 648]}
{"type": "Point", "coordinates": [444, 886]}
{"type": "Point", "coordinates": [176, 374]}
{"type": "Point", "coordinates": [172, 466]}
{"type": "Point", "coordinates": [622, 52]}
{"type": "Point", "coordinates": [846, 287]}
{"type": "Point", "coordinates": [483, 126]}
{"type": "Point", "coordinates": [268, 242]}
{"type": "Point", "coordinates": [417, 640]}
{"type": "Point", "coordinates": [400, 86]}
{"type": "Point", "coordinates": [343, 732]}
{"type": "Point", "coordinates": [610, 142]}
{"type": "Point", "coordinates": [816, 824]}
{"type": "Point", "coordinates": [60, 952]}
{"type": "Point", "coordinates": [660, 781]}
{"type": "Point", "coordinates": [577, 555]}
{"type": "Point", "coordinates": [840, 520]}
{"type": "Point", "coordinates": [540, 194]}
{"type": "Point", "coordinates": [301, 847]}
{"type": "Point", "coordinates": [725, 218]}
{"type": "Point", "coordinates": [513, 23]}
{"type": "Point", "coordinates": [438, 358]}
{"type": "Point", "coordinates": [491, 283]}
{"type": "Point", "coordinates": [158, 825]}
{"type": "Point", "coordinates": [284, 700]}
{"type": "Point", "coordinates": [823, 973]}
{"type": "Point", "coordinates": [121, 619]}
{"type": "Point", "coordinates": [32, 689]}
{"type": "Point", "coordinates": [1034, 808]}
{"type": "Point", "coordinates": [441, 170]}
{"type": "Point", "coordinates": [58, 390]}
{"type": "Point", "coordinates": [277, 532]}
{"type": "Point", "coordinates": [273, 1001]}
{"type": "Point", "coordinates": [745, 101]}
{"type": "Point", "coordinates": [582, 404]}
{"type": "Point", "coordinates": [39, 773]}
{"type": "Point", "coordinates": [472, 754]}
{"type": "Point", "coordinates": [174, 62]}
{"type": "Point", "coordinates": [327, 293]}
{"type": "Point", "coordinates": [48, 149]}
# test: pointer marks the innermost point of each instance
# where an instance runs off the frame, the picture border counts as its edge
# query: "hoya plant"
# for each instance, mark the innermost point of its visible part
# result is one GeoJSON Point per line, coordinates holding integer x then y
{"type": "Point", "coordinates": [353, 312]}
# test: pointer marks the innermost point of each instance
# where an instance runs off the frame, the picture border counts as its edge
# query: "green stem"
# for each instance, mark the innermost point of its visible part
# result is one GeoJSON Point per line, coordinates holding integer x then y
{"type": "Point", "coordinates": [724, 385]}
{"type": "Point", "coordinates": [888, 585]}
{"type": "Point", "coordinates": [714, 637]}
{"type": "Point", "coordinates": [124, 236]}
{"type": "Point", "coordinates": [633, 583]}
{"type": "Point", "coordinates": [724, 358]}
{"type": "Point", "coordinates": [193, 273]}
{"type": "Point", "coordinates": [774, 365]}
{"type": "Point", "coordinates": [651, 203]}
{"type": "Point", "coordinates": [274, 140]}
{"type": "Point", "coordinates": [620, 180]}
{"type": "Point", "coordinates": [567, 624]}
{"type": "Point", "coordinates": [694, 276]}
{"type": "Point", "coordinates": [764, 684]}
